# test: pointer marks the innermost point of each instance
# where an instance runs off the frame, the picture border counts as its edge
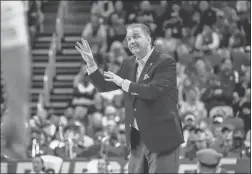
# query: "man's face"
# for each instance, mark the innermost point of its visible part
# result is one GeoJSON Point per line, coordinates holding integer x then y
{"type": "Point", "coordinates": [203, 5]}
{"type": "Point", "coordinates": [227, 138]}
{"type": "Point", "coordinates": [94, 21]}
{"type": "Point", "coordinates": [192, 95]}
{"type": "Point", "coordinates": [206, 30]}
{"type": "Point", "coordinates": [115, 18]}
{"type": "Point", "coordinates": [37, 164]}
{"type": "Point", "coordinates": [201, 140]}
{"type": "Point", "coordinates": [137, 41]}
{"type": "Point", "coordinates": [227, 65]}
{"type": "Point", "coordinates": [119, 5]}
{"type": "Point", "coordinates": [101, 166]}
{"type": "Point", "coordinates": [201, 66]}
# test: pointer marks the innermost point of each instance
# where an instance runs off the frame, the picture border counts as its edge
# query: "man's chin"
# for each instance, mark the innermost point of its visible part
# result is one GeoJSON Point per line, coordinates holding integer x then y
{"type": "Point", "coordinates": [135, 51]}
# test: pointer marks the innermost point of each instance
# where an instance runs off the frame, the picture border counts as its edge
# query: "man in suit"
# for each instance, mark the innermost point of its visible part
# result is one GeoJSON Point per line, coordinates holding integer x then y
{"type": "Point", "coordinates": [148, 80]}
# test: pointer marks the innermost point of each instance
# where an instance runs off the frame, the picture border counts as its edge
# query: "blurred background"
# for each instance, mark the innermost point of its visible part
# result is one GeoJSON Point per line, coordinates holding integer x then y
{"type": "Point", "coordinates": [68, 118]}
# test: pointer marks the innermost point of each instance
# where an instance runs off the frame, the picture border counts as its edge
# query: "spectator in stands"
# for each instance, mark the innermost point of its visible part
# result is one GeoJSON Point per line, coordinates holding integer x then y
{"type": "Point", "coordinates": [244, 112]}
{"type": "Point", "coordinates": [120, 11]}
{"type": "Point", "coordinates": [208, 161]}
{"type": "Point", "coordinates": [186, 13]}
{"type": "Point", "coordinates": [208, 40]}
{"type": "Point", "coordinates": [237, 39]}
{"type": "Point", "coordinates": [84, 91]}
{"type": "Point", "coordinates": [205, 126]}
{"type": "Point", "coordinates": [75, 134]}
{"type": "Point", "coordinates": [224, 142]}
{"type": "Point", "coordinates": [102, 8]}
{"type": "Point", "coordinates": [216, 95]}
{"type": "Point", "coordinates": [244, 83]}
{"type": "Point", "coordinates": [169, 42]}
{"type": "Point", "coordinates": [224, 29]}
{"type": "Point", "coordinates": [195, 23]}
{"type": "Point", "coordinates": [110, 113]}
{"type": "Point", "coordinates": [193, 104]}
{"type": "Point", "coordinates": [116, 56]}
{"type": "Point", "coordinates": [181, 77]}
{"type": "Point", "coordinates": [244, 22]}
{"type": "Point", "coordinates": [35, 17]}
{"type": "Point", "coordinates": [199, 142]}
{"type": "Point", "coordinates": [208, 15]}
{"type": "Point", "coordinates": [161, 8]}
{"type": "Point", "coordinates": [189, 124]}
{"type": "Point", "coordinates": [95, 32]}
{"type": "Point", "coordinates": [147, 15]}
{"type": "Point", "coordinates": [95, 127]}
{"type": "Point", "coordinates": [38, 165]}
{"type": "Point", "coordinates": [200, 72]}
{"type": "Point", "coordinates": [227, 75]}
{"type": "Point", "coordinates": [247, 144]}
{"type": "Point", "coordinates": [98, 104]}
{"type": "Point", "coordinates": [131, 8]}
{"type": "Point", "coordinates": [116, 29]}
{"type": "Point", "coordinates": [112, 132]}
{"type": "Point", "coordinates": [81, 114]}
{"type": "Point", "coordinates": [174, 22]}
{"type": "Point", "coordinates": [68, 115]}
{"type": "Point", "coordinates": [238, 145]}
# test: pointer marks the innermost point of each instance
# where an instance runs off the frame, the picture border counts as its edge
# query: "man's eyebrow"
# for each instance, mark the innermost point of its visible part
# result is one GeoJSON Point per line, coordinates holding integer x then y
{"type": "Point", "coordinates": [133, 34]}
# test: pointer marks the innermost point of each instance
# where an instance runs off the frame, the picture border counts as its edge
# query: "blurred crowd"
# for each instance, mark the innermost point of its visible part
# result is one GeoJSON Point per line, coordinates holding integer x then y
{"type": "Point", "coordinates": [35, 17]}
{"type": "Point", "coordinates": [211, 44]}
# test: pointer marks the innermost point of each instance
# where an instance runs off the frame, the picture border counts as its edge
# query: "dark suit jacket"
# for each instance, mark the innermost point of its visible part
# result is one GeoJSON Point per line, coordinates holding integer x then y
{"type": "Point", "coordinates": [155, 106]}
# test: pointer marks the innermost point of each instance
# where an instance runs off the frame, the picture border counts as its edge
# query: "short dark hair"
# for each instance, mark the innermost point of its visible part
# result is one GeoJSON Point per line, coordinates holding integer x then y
{"type": "Point", "coordinates": [144, 27]}
{"type": "Point", "coordinates": [42, 161]}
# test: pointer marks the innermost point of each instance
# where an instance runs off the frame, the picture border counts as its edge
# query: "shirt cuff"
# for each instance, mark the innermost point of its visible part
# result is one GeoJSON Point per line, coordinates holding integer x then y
{"type": "Point", "coordinates": [125, 85]}
{"type": "Point", "coordinates": [92, 69]}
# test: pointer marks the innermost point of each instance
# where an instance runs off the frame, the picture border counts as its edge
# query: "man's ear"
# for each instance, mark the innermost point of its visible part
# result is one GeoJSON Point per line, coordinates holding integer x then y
{"type": "Point", "coordinates": [149, 40]}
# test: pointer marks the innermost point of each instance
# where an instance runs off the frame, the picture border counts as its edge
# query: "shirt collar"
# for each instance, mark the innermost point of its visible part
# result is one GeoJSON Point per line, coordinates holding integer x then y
{"type": "Point", "coordinates": [145, 58]}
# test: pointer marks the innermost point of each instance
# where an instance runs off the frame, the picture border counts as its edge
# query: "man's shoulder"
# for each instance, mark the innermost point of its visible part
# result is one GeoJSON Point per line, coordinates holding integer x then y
{"type": "Point", "coordinates": [130, 59]}
{"type": "Point", "coordinates": [163, 57]}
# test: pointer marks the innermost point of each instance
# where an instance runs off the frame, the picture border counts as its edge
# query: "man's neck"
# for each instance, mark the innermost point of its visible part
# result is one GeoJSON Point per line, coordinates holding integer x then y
{"type": "Point", "coordinates": [141, 56]}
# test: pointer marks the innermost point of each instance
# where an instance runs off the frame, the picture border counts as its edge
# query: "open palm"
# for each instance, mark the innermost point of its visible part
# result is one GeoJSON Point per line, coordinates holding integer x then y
{"type": "Point", "coordinates": [86, 52]}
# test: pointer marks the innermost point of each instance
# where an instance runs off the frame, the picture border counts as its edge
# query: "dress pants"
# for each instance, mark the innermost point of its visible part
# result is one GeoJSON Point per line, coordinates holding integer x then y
{"type": "Point", "coordinates": [142, 160]}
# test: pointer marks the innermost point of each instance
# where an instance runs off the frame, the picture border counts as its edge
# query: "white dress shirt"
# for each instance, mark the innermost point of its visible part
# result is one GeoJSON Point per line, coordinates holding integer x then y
{"type": "Point", "coordinates": [126, 83]}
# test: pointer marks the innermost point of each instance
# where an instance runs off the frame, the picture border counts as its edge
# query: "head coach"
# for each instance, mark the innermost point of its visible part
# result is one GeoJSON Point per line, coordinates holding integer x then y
{"type": "Point", "coordinates": [148, 80]}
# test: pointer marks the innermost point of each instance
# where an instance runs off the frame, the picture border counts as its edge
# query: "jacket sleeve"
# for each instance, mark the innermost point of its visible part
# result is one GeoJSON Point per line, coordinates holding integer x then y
{"type": "Point", "coordinates": [98, 80]}
{"type": "Point", "coordinates": [164, 79]}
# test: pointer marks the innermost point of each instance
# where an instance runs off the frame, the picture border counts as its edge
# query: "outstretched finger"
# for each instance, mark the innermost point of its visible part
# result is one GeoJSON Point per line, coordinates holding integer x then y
{"type": "Point", "coordinates": [108, 72]}
{"type": "Point", "coordinates": [78, 49]}
{"type": "Point", "coordinates": [81, 51]}
{"type": "Point", "coordinates": [109, 80]}
{"type": "Point", "coordinates": [80, 46]}
{"type": "Point", "coordinates": [88, 47]}
{"type": "Point", "coordinates": [84, 45]}
{"type": "Point", "coordinates": [108, 76]}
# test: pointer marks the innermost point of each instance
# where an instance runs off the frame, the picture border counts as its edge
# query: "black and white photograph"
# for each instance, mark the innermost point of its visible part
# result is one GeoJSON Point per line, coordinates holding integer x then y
{"type": "Point", "coordinates": [125, 86]}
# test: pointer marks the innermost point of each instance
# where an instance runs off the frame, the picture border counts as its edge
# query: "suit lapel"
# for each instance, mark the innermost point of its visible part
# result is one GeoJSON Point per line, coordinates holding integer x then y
{"type": "Point", "coordinates": [132, 74]}
{"type": "Point", "coordinates": [133, 70]}
{"type": "Point", "coordinates": [148, 65]}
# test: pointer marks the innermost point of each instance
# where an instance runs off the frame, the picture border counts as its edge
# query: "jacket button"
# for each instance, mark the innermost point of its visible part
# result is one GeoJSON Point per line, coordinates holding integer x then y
{"type": "Point", "coordinates": [134, 109]}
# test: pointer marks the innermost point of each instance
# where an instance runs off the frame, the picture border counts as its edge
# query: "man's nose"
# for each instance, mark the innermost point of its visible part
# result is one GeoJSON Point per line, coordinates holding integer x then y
{"type": "Point", "coordinates": [131, 41]}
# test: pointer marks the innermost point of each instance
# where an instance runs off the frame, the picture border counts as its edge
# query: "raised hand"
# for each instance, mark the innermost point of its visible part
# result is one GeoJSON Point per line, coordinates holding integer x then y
{"type": "Point", "coordinates": [111, 77]}
{"type": "Point", "coordinates": [86, 52]}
